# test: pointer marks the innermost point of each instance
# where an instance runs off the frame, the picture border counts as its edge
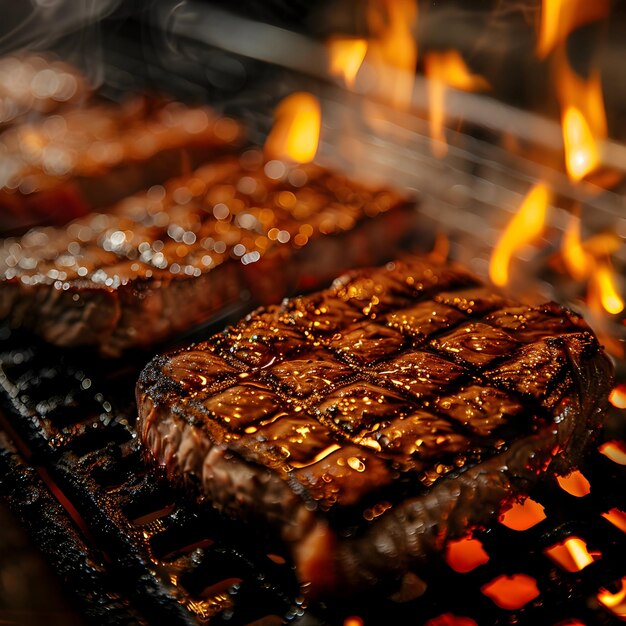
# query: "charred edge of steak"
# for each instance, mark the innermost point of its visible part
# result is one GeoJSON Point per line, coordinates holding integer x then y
{"type": "Point", "coordinates": [516, 391]}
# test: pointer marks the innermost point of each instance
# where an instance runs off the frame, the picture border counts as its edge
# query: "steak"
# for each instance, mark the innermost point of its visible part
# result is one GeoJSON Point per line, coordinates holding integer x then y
{"type": "Point", "coordinates": [236, 226]}
{"type": "Point", "coordinates": [36, 83]}
{"type": "Point", "coordinates": [370, 423]}
{"type": "Point", "coordinates": [81, 159]}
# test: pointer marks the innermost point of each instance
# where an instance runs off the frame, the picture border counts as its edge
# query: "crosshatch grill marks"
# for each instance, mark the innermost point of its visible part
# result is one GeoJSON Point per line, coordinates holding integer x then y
{"type": "Point", "coordinates": [412, 363]}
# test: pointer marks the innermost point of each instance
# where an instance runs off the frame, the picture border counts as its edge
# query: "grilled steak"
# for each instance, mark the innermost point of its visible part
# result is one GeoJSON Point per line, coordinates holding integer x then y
{"type": "Point", "coordinates": [37, 83]}
{"type": "Point", "coordinates": [369, 423]}
{"type": "Point", "coordinates": [62, 166]}
{"type": "Point", "coordinates": [163, 261]}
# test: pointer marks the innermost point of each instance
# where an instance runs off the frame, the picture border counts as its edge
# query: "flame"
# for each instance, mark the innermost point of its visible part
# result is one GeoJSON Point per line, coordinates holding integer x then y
{"type": "Point", "coordinates": [560, 17]}
{"type": "Point", "coordinates": [392, 50]}
{"type": "Point", "coordinates": [575, 484]}
{"type": "Point", "coordinates": [572, 554]}
{"type": "Point", "coordinates": [353, 620]}
{"type": "Point", "coordinates": [615, 602]}
{"type": "Point", "coordinates": [346, 57]}
{"type": "Point", "coordinates": [614, 450]}
{"type": "Point", "coordinates": [464, 555]}
{"type": "Point", "coordinates": [602, 289]}
{"type": "Point", "coordinates": [617, 518]}
{"type": "Point", "coordinates": [617, 397]}
{"type": "Point", "coordinates": [511, 592]}
{"type": "Point", "coordinates": [576, 259]}
{"type": "Point", "coordinates": [295, 135]}
{"type": "Point", "coordinates": [523, 515]}
{"type": "Point", "coordinates": [526, 225]}
{"type": "Point", "coordinates": [583, 117]}
{"type": "Point", "coordinates": [444, 70]}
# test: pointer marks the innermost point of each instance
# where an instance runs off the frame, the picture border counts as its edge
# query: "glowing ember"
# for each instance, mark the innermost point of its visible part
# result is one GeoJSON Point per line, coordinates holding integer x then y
{"type": "Point", "coordinates": [511, 592]}
{"type": "Point", "coordinates": [446, 69]}
{"type": "Point", "coordinates": [575, 484]}
{"type": "Point", "coordinates": [526, 225]}
{"type": "Point", "coordinates": [346, 57]}
{"type": "Point", "coordinates": [392, 50]}
{"type": "Point", "coordinates": [560, 17]}
{"type": "Point", "coordinates": [603, 289]}
{"type": "Point", "coordinates": [572, 554]}
{"type": "Point", "coordinates": [523, 515]}
{"type": "Point", "coordinates": [353, 621]}
{"type": "Point", "coordinates": [614, 450]}
{"type": "Point", "coordinates": [295, 135]}
{"type": "Point", "coordinates": [465, 554]}
{"type": "Point", "coordinates": [615, 602]}
{"type": "Point", "coordinates": [617, 518]}
{"type": "Point", "coordinates": [448, 619]}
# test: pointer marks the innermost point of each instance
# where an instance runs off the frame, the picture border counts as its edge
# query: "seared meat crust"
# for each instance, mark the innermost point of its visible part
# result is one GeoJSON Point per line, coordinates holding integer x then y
{"type": "Point", "coordinates": [371, 422]}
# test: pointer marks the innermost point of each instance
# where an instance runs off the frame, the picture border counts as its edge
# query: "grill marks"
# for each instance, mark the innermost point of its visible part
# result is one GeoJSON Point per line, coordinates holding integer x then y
{"type": "Point", "coordinates": [403, 376]}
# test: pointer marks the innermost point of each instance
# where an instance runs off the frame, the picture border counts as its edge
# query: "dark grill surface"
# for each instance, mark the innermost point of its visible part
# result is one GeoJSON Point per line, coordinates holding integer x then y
{"type": "Point", "coordinates": [134, 550]}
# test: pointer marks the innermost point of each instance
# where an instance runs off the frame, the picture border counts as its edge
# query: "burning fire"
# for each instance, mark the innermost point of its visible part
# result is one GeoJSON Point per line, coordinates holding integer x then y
{"type": "Point", "coordinates": [561, 17]}
{"type": "Point", "coordinates": [572, 554]}
{"type": "Point", "coordinates": [615, 602]}
{"type": "Point", "coordinates": [464, 555]}
{"type": "Point", "coordinates": [614, 450]}
{"type": "Point", "coordinates": [575, 257]}
{"type": "Point", "coordinates": [575, 484]}
{"type": "Point", "coordinates": [583, 118]}
{"type": "Point", "coordinates": [444, 70]}
{"type": "Point", "coordinates": [523, 515]}
{"type": "Point", "coordinates": [392, 50]}
{"type": "Point", "coordinates": [511, 592]}
{"type": "Point", "coordinates": [296, 132]}
{"type": "Point", "coordinates": [346, 57]}
{"type": "Point", "coordinates": [617, 397]}
{"type": "Point", "coordinates": [526, 225]}
{"type": "Point", "coordinates": [603, 293]}
{"type": "Point", "coordinates": [617, 518]}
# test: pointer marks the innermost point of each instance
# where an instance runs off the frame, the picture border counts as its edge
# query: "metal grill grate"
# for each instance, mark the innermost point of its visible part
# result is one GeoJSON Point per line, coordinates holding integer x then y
{"type": "Point", "coordinates": [136, 550]}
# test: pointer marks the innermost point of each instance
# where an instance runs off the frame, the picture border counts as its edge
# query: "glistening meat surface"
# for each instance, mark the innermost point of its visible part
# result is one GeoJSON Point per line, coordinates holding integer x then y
{"type": "Point", "coordinates": [369, 423]}
{"type": "Point", "coordinates": [162, 261]}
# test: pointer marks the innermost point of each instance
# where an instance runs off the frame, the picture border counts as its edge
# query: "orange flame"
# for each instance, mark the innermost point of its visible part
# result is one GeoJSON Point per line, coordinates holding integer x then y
{"type": "Point", "coordinates": [575, 484]}
{"type": "Point", "coordinates": [614, 450]}
{"type": "Point", "coordinates": [444, 70]}
{"type": "Point", "coordinates": [583, 117]}
{"type": "Point", "coordinates": [561, 17]}
{"type": "Point", "coordinates": [346, 57]}
{"type": "Point", "coordinates": [575, 257]}
{"type": "Point", "coordinates": [603, 290]}
{"type": "Point", "coordinates": [572, 554]}
{"type": "Point", "coordinates": [617, 397]}
{"type": "Point", "coordinates": [615, 602]}
{"type": "Point", "coordinates": [392, 50]}
{"type": "Point", "coordinates": [526, 225]}
{"type": "Point", "coordinates": [295, 135]}
{"type": "Point", "coordinates": [523, 515]}
{"type": "Point", "coordinates": [617, 518]}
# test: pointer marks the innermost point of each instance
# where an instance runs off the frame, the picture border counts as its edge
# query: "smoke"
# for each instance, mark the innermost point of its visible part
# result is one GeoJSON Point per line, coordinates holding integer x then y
{"type": "Point", "coordinates": [72, 25]}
